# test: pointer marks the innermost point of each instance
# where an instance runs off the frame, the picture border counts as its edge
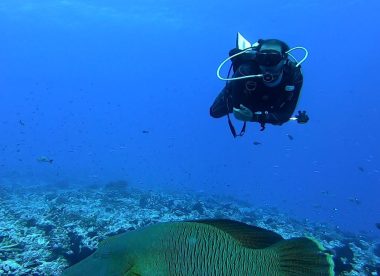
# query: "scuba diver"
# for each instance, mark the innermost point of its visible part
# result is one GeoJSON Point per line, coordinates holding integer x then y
{"type": "Point", "coordinates": [265, 85]}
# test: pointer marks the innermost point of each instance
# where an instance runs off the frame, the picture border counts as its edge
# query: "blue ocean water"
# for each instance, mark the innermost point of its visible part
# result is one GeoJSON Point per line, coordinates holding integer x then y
{"type": "Point", "coordinates": [122, 90]}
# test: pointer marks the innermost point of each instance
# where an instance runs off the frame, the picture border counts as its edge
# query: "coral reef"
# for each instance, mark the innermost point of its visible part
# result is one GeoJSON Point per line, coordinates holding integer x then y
{"type": "Point", "coordinates": [44, 229]}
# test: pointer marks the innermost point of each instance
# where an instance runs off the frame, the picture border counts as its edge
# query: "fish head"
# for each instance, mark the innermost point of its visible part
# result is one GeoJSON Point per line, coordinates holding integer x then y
{"type": "Point", "coordinates": [114, 255]}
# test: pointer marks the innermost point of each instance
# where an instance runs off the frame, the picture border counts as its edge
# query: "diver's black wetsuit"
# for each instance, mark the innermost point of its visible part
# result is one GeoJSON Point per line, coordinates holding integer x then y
{"type": "Point", "coordinates": [277, 102]}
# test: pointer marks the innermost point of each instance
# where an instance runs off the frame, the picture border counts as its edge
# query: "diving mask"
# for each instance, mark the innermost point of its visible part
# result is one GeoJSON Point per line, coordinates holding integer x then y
{"type": "Point", "coordinates": [269, 58]}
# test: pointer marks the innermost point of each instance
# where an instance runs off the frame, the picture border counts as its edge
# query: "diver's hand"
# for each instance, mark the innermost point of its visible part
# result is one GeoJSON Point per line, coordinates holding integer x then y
{"type": "Point", "coordinates": [302, 117]}
{"type": "Point", "coordinates": [243, 113]}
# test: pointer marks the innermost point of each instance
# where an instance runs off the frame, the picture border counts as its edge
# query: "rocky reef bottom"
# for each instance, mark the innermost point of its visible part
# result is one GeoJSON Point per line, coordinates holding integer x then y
{"type": "Point", "coordinates": [44, 229]}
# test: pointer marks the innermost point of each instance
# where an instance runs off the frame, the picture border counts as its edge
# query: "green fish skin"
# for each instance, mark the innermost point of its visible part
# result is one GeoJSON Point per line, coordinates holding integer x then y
{"type": "Point", "coordinates": [209, 247]}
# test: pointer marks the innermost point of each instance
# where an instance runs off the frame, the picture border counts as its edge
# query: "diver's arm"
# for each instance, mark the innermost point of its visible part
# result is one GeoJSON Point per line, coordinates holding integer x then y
{"type": "Point", "coordinates": [274, 118]}
{"type": "Point", "coordinates": [285, 110]}
{"type": "Point", "coordinates": [231, 95]}
{"type": "Point", "coordinates": [222, 104]}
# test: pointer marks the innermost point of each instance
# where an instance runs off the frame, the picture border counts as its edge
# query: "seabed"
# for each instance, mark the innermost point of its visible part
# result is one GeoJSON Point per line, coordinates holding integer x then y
{"type": "Point", "coordinates": [45, 228]}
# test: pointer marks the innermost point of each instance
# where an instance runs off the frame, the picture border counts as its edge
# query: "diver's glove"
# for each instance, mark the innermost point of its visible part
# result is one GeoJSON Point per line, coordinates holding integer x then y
{"type": "Point", "coordinates": [243, 113]}
{"type": "Point", "coordinates": [302, 117]}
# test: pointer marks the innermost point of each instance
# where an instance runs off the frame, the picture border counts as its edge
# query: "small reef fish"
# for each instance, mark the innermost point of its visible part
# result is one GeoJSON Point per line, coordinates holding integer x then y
{"type": "Point", "coordinates": [377, 225]}
{"type": "Point", "coordinates": [256, 143]}
{"type": "Point", "coordinates": [44, 159]}
{"type": "Point", "coordinates": [355, 200]}
{"type": "Point", "coordinates": [205, 247]}
{"type": "Point", "coordinates": [290, 137]}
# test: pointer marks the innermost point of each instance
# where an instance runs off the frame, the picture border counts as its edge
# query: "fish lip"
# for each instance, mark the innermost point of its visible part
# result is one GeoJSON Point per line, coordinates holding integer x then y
{"type": "Point", "coordinates": [129, 269]}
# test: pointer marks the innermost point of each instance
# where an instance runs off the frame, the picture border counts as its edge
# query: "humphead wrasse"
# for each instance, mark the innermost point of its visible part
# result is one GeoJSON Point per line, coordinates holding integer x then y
{"type": "Point", "coordinates": [205, 247]}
